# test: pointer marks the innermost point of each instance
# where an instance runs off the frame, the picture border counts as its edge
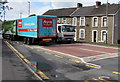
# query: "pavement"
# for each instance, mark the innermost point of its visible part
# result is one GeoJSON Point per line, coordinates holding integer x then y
{"type": "Point", "coordinates": [0, 58]}
{"type": "Point", "coordinates": [12, 67]}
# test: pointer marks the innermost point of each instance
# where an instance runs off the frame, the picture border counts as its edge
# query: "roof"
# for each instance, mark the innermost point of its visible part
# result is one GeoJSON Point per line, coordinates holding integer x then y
{"type": "Point", "coordinates": [92, 10]}
{"type": "Point", "coordinates": [60, 12]}
{"type": "Point", "coordinates": [84, 11]}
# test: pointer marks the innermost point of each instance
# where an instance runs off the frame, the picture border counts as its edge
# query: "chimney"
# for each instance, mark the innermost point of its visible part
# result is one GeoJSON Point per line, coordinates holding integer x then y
{"type": "Point", "coordinates": [79, 5]}
{"type": "Point", "coordinates": [98, 3]}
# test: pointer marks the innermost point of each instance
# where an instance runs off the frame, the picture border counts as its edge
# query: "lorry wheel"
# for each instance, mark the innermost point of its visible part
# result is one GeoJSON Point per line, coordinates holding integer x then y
{"type": "Point", "coordinates": [11, 38]}
{"type": "Point", "coordinates": [29, 41]}
{"type": "Point", "coordinates": [25, 40]}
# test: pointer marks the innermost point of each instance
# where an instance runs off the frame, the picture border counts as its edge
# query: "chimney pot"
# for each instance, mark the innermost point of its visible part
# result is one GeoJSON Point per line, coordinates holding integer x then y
{"type": "Point", "coordinates": [98, 3]}
{"type": "Point", "coordinates": [79, 5]}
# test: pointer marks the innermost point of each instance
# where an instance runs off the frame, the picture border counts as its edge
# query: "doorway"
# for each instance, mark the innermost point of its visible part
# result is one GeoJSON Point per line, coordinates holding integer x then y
{"type": "Point", "coordinates": [75, 38]}
{"type": "Point", "coordinates": [94, 36]}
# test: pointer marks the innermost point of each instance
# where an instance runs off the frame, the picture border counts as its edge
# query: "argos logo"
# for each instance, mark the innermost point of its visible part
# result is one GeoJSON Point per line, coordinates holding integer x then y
{"type": "Point", "coordinates": [19, 23]}
{"type": "Point", "coordinates": [47, 22]}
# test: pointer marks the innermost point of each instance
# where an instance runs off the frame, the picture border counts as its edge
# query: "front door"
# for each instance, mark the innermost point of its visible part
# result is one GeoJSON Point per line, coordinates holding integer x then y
{"type": "Point", "coordinates": [94, 36]}
{"type": "Point", "coordinates": [75, 38]}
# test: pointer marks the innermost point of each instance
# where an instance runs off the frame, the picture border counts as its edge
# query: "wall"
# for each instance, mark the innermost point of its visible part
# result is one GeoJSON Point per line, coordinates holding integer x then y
{"type": "Point", "coordinates": [68, 20]}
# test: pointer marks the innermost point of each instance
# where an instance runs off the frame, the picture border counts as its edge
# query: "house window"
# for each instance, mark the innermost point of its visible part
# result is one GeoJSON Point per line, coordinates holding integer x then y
{"type": "Point", "coordinates": [82, 21]}
{"type": "Point", "coordinates": [64, 21]}
{"type": "Point", "coordinates": [95, 21]}
{"type": "Point", "coordinates": [74, 21]}
{"type": "Point", "coordinates": [104, 22]}
{"type": "Point", "coordinates": [104, 35]}
{"type": "Point", "coordinates": [82, 33]}
{"type": "Point", "coordinates": [58, 20]}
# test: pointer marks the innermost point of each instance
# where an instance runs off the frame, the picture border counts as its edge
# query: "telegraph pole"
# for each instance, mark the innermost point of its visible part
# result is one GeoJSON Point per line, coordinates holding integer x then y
{"type": "Point", "coordinates": [107, 18]}
{"type": "Point", "coordinates": [107, 8]}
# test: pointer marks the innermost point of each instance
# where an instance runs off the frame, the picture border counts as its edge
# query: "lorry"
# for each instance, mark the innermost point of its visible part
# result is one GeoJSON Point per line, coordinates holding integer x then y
{"type": "Point", "coordinates": [9, 29]}
{"type": "Point", "coordinates": [65, 33]}
{"type": "Point", "coordinates": [39, 28]}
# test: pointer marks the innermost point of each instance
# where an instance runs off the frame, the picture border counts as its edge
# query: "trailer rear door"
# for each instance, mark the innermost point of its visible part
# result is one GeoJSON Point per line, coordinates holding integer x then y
{"type": "Point", "coordinates": [47, 27]}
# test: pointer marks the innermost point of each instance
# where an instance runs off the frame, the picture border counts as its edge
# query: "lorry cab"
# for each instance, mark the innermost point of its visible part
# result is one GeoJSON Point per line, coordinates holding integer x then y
{"type": "Point", "coordinates": [65, 32]}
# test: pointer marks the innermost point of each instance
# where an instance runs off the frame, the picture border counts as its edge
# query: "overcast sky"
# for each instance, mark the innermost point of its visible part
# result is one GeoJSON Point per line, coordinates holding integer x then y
{"type": "Point", "coordinates": [40, 6]}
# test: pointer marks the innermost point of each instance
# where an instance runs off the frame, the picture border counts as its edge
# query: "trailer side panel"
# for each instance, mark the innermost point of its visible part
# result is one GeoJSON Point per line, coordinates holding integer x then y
{"type": "Point", "coordinates": [27, 27]}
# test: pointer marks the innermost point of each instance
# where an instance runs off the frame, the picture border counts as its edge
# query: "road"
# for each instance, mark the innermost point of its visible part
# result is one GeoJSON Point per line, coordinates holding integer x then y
{"type": "Point", "coordinates": [12, 66]}
{"type": "Point", "coordinates": [58, 66]}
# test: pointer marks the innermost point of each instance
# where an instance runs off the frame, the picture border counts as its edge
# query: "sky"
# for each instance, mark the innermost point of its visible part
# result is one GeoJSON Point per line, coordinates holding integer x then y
{"type": "Point", "coordinates": [39, 7]}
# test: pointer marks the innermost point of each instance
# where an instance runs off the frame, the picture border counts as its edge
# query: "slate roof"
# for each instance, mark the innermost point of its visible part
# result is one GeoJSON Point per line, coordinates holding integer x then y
{"type": "Point", "coordinates": [84, 11]}
{"type": "Point", "coordinates": [93, 11]}
{"type": "Point", "coordinates": [60, 12]}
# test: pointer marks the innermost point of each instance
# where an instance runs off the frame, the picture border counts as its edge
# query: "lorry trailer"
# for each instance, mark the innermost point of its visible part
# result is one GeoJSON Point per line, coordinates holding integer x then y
{"type": "Point", "coordinates": [40, 28]}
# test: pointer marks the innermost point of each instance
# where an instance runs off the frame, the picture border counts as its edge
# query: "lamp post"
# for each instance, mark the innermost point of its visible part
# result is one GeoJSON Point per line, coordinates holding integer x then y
{"type": "Point", "coordinates": [28, 8]}
{"type": "Point", "coordinates": [20, 14]}
{"type": "Point", "coordinates": [3, 7]}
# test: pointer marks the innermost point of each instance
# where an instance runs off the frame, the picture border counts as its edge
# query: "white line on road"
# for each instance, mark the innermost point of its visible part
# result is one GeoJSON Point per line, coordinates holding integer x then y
{"type": "Point", "coordinates": [102, 46]}
{"type": "Point", "coordinates": [93, 50]}
{"type": "Point", "coordinates": [100, 57]}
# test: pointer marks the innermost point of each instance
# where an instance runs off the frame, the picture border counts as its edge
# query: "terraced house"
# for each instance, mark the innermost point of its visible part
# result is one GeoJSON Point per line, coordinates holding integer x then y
{"type": "Point", "coordinates": [98, 23]}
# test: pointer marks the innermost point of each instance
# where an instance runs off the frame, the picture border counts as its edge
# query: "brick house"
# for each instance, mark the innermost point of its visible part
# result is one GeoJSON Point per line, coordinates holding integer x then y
{"type": "Point", "coordinates": [99, 23]}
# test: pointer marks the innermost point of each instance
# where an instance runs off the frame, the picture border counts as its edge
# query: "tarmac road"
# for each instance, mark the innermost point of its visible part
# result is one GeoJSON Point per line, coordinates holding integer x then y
{"type": "Point", "coordinates": [59, 67]}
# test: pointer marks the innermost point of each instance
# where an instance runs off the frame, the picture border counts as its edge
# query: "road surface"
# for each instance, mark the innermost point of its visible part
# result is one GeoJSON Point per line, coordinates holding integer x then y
{"type": "Point", "coordinates": [60, 67]}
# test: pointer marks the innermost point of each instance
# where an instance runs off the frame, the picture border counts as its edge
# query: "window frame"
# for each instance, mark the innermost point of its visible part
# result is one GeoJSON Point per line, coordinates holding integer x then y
{"type": "Point", "coordinates": [94, 22]}
{"type": "Point", "coordinates": [102, 21]}
{"type": "Point", "coordinates": [81, 22]}
{"type": "Point", "coordinates": [74, 21]}
{"type": "Point", "coordinates": [102, 34]}
{"type": "Point", "coordinates": [80, 33]}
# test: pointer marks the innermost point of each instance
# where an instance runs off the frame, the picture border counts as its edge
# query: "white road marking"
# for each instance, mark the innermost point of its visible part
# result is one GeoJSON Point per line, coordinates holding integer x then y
{"type": "Point", "coordinates": [100, 57]}
{"type": "Point", "coordinates": [102, 46]}
{"type": "Point", "coordinates": [93, 50]}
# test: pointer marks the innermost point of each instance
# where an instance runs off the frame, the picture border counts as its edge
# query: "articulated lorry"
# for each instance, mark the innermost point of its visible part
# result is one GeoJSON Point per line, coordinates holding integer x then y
{"type": "Point", "coordinates": [40, 28]}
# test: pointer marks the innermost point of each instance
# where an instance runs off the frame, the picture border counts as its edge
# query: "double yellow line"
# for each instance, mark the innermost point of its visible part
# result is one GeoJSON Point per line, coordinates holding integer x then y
{"type": "Point", "coordinates": [118, 73]}
{"type": "Point", "coordinates": [26, 60]}
{"type": "Point", "coordinates": [92, 66]}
